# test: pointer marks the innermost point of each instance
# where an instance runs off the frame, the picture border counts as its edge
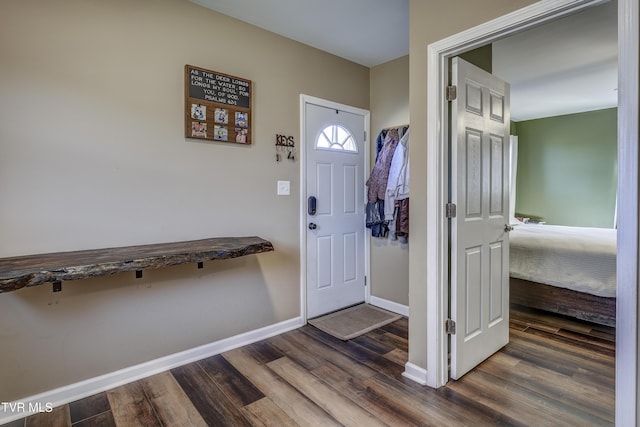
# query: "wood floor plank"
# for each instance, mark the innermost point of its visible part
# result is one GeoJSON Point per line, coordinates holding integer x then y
{"type": "Point", "coordinates": [343, 410]}
{"type": "Point", "coordinates": [89, 407]}
{"type": "Point", "coordinates": [238, 388]}
{"type": "Point", "coordinates": [436, 407]}
{"type": "Point", "coordinates": [553, 386]}
{"type": "Point", "coordinates": [16, 423]}
{"type": "Point", "coordinates": [287, 344]}
{"type": "Point", "coordinates": [575, 343]}
{"type": "Point", "coordinates": [395, 340]}
{"type": "Point", "coordinates": [265, 413]}
{"type": "Point", "coordinates": [212, 404]}
{"type": "Point", "coordinates": [398, 356]}
{"type": "Point", "coordinates": [264, 351]}
{"type": "Point", "coordinates": [329, 340]}
{"type": "Point", "coordinates": [571, 352]}
{"type": "Point", "coordinates": [548, 321]}
{"type": "Point", "coordinates": [58, 417]}
{"type": "Point", "coordinates": [382, 407]}
{"type": "Point", "coordinates": [297, 406]}
{"type": "Point", "coordinates": [171, 404]}
{"type": "Point", "coordinates": [607, 383]}
{"type": "Point", "coordinates": [520, 403]}
{"type": "Point", "coordinates": [104, 419]}
{"type": "Point", "coordinates": [357, 352]}
{"type": "Point", "coordinates": [605, 335]}
{"type": "Point", "coordinates": [557, 346]}
{"type": "Point", "coordinates": [130, 407]}
{"type": "Point", "coordinates": [534, 356]}
{"type": "Point", "coordinates": [325, 354]}
{"type": "Point", "coordinates": [605, 346]}
{"type": "Point", "coordinates": [374, 342]}
{"type": "Point", "coordinates": [518, 325]}
{"type": "Point", "coordinates": [399, 328]}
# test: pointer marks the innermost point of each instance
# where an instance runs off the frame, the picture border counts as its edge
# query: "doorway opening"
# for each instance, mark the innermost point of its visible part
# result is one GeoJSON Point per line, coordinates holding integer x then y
{"type": "Point", "coordinates": [563, 105]}
{"type": "Point", "coordinates": [438, 53]}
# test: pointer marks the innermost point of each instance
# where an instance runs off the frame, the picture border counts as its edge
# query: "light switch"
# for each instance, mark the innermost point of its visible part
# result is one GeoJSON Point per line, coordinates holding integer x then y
{"type": "Point", "coordinates": [284, 188]}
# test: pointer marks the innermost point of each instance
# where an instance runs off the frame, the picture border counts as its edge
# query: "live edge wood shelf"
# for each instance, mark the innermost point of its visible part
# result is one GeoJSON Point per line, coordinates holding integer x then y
{"type": "Point", "coordinates": [33, 270]}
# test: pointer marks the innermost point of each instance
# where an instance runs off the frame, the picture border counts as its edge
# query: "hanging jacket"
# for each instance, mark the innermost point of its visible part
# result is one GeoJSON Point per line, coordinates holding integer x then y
{"type": "Point", "coordinates": [398, 179]}
{"type": "Point", "coordinates": [377, 182]}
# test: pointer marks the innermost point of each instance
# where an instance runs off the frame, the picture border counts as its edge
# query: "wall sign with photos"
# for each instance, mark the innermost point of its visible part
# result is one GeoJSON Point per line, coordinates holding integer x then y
{"type": "Point", "coordinates": [217, 106]}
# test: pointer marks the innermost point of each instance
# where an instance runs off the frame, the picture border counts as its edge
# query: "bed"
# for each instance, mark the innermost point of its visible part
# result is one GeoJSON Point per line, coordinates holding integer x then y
{"type": "Point", "coordinates": [566, 270]}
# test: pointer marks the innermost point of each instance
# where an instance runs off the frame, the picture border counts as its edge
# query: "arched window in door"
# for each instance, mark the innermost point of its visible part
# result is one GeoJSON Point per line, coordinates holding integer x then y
{"type": "Point", "coordinates": [338, 138]}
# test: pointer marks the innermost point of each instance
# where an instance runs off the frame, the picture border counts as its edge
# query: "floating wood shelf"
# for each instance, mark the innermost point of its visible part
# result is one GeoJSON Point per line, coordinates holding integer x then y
{"type": "Point", "coordinates": [32, 270]}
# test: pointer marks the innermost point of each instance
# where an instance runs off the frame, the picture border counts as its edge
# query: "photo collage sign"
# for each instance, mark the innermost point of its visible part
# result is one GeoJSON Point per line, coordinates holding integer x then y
{"type": "Point", "coordinates": [217, 106]}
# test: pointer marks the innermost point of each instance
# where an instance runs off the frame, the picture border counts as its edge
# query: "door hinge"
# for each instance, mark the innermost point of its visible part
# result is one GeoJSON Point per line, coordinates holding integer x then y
{"type": "Point", "coordinates": [450, 327]}
{"type": "Point", "coordinates": [451, 93]}
{"type": "Point", "coordinates": [365, 135]}
{"type": "Point", "coordinates": [365, 281]}
{"type": "Point", "coordinates": [450, 210]}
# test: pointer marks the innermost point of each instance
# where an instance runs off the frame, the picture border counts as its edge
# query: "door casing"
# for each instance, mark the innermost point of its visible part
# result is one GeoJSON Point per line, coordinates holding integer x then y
{"type": "Point", "coordinates": [304, 100]}
{"type": "Point", "coordinates": [438, 53]}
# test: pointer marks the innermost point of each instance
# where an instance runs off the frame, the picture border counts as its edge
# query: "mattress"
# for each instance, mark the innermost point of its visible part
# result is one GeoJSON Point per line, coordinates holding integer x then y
{"type": "Point", "coordinates": [578, 258]}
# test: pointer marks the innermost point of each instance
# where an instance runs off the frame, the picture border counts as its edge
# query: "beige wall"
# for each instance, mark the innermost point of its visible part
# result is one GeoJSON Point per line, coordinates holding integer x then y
{"type": "Point", "coordinates": [92, 154]}
{"type": "Point", "coordinates": [429, 22]}
{"type": "Point", "coordinates": [389, 96]}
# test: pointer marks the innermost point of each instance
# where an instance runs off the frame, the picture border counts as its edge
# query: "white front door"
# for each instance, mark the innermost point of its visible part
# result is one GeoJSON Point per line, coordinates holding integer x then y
{"type": "Point", "coordinates": [479, 234]}
{"type": "Point", "coordinates": [335, 162]}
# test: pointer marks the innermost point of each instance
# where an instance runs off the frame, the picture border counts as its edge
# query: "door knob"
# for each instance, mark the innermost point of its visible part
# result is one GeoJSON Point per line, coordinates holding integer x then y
{"type": "Point", "coordinates": [312, 226]}
{"type": "Point", "coordinates": [508, 228]}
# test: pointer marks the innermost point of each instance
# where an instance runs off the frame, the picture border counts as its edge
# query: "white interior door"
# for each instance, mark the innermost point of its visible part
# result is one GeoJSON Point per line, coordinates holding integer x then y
{"type": "Point", "coordinates": [479, 233]}
{"type": "Point", "coordinates": [335, 156]}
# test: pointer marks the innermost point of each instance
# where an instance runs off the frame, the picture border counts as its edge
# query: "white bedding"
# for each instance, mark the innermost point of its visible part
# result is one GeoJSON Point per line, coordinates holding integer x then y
{"type": "Point", "coordinates": [578, 258]}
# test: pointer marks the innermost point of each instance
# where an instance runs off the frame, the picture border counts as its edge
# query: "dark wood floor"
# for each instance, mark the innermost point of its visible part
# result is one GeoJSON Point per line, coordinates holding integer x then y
{"type": "Point", "coordinates": [554, 372]}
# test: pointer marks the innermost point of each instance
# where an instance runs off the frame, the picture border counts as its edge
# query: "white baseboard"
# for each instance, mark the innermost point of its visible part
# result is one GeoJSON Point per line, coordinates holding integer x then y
{"type": "Point", "coordinates": [389, 305]}
{"type": "Point", "coordinates": [415, 373]}
{"type": "Point", "coordinates": [44, 402]}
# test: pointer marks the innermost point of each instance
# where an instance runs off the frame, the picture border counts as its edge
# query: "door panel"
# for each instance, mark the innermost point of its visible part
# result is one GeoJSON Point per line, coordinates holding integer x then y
{"type": "Point", "coordinates": [496, 295]}
{"type": "Point", "coordinates": [350, 189]}
{"type": "Point", "coordinates": [473, 167]}
{"type": "Point", "coordinates": [479, 242]}
{"type": "Point", "coordinates": [472, 293]}
{"type": "Point", "coordinates": [324, 188]}
{"type": "Point", "coordinates": [335, 176]}
{"type": "Point", "coordinates": [351, 257]}
{"type": "Point", "coordinates": [324, 257]}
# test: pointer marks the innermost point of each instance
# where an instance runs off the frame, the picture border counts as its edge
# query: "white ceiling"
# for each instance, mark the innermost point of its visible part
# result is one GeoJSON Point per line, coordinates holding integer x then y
{"type": "Point", "coordinates": [567, 66]}
{"type": "Point", "coordinates": [368, 32]}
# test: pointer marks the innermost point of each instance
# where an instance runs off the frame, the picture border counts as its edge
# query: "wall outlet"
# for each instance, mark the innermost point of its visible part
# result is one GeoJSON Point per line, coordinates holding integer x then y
{"type": "Point", "coordinates": [284, 188]}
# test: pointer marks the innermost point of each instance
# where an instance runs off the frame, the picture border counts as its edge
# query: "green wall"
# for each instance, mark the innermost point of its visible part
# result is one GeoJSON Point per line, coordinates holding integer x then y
{"type": "Point", "coordinates": [567, 168]}
{"type": "Point", "coordinates": [481, 57]}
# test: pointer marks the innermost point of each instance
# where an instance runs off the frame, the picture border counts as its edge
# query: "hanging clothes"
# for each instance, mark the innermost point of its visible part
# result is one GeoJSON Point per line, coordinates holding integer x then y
{"type": "Point", "coordinates": [402, 220]}
{"type": "Point", "coordinates": [387, 212]}
{"type": "Point", "coordinates": [380, 142]}
{"type": "Point", "coordinates": [398, 190]}
{"type": "Point", "coordinates": [398, 179]}
{"type": "Point", "coordinates": [375, 219]}
{"type": "Point", "coordinates": [377, 184]}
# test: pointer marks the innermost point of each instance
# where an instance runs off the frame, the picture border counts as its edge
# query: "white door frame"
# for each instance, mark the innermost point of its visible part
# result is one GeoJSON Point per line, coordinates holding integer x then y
{"type": "Point", "coordinates": [438, 54]}
{"type": "Point", "coordinates": [304, 100]}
